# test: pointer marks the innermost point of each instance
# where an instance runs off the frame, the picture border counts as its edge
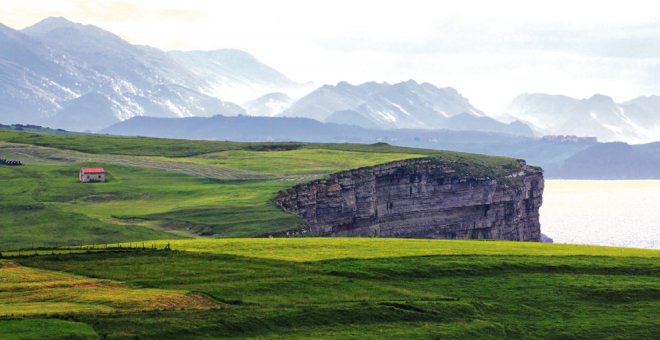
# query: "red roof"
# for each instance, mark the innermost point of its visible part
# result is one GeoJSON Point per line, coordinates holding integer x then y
{"type": "Point", "coordinates": [92, 170]}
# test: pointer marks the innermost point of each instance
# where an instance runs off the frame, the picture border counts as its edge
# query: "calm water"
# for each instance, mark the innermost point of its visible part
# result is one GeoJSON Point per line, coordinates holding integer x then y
{"type": "Point", "coordinates": [614, 213]}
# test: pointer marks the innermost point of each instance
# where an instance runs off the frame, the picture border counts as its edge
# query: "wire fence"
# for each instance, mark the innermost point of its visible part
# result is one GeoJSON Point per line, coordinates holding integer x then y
{"type": "Point", "coordinates": [85, 249]}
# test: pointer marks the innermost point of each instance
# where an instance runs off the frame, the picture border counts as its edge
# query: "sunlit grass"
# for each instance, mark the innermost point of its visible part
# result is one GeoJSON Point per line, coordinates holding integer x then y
{"type": "Point", "coordinates": [316, 249]}
{"type": "Point", "coordinates": [298, 162]}
{"type": "Point", "coordinates": [29, 291]}
{"type": "Point", "coordinates": [374, 288]}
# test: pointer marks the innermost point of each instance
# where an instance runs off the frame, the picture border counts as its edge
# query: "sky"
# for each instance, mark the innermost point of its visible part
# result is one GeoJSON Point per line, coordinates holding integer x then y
{"type": "Point", "coordinates": [490, 51]}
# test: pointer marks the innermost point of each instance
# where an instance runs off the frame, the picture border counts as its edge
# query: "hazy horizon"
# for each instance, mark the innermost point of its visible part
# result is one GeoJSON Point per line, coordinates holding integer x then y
{"type": "Point", "coordinates": [490, 52]}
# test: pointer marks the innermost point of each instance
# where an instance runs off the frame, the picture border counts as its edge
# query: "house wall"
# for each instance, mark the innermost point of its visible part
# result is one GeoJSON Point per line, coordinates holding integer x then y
{"type": "Point", "coordinates": [92, 178]}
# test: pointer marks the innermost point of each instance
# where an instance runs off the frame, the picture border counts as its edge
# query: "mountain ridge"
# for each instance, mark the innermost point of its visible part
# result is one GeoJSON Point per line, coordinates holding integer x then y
{"type": "Point", "coordinates": [405, 104]}
{"type": "Point", "coordinates": [52, 72]}
{"type": "Point", "coordinates": [634, 121]}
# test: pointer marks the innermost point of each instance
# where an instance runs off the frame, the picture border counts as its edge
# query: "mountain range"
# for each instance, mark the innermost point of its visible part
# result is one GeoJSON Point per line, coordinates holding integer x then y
{"type": "Point", "coordinates": [67, 75]}
{"type": "Point", "coordinates": [80, 77]}
{"type": "Point", "coordinates": [62, 74]}
{"type": "Point", "coordinates": [635, 121]}
{"type": "Point", "coordinates": [404, 105]}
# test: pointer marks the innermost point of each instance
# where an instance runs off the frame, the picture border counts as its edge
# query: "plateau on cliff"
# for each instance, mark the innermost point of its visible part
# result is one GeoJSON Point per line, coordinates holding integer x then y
{"type": "Point", "coordinates": [431, 197]}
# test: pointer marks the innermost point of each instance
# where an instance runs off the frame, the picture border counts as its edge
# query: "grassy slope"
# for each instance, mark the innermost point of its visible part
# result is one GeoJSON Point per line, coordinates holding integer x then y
{"type": "Point", "coordinates": [375, 288]}
{"type": "Point", "coordinates": [54, 329]}
{"type": "Point", "coordinates": [224, 193]}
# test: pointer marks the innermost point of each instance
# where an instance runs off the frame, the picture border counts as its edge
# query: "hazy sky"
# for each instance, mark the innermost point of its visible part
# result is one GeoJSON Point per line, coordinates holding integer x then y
{"type": "Point", "coordinates": [490, 51]}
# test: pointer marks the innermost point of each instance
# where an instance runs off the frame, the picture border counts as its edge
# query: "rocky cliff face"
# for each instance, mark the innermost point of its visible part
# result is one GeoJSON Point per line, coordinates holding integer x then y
{"type": "Point", "coordinates": [420, 198]}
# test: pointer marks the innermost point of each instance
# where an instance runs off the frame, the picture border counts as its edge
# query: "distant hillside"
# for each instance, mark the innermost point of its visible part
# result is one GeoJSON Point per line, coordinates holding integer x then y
{"type": "Point", "coordinates": [559, 157]}
{"type": "Point", "coordinates": [402, 105]}
{"type": "Point", "coordinates": [249, 128]}
{"type": "Point", "coordinates": [615, 161]}
{"type": "Point", "coordinates": [36, 129]}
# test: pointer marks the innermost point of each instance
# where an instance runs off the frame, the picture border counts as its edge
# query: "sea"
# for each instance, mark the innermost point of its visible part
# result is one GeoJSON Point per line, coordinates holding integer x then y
{"type": "Point", "coordinates": [611, 213]}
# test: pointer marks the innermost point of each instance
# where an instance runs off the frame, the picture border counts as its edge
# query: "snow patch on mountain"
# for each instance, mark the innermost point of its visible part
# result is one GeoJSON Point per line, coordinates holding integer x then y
{"type": "Point", "coordinates": [268, 105]}
{"type": "Point", "coordinates": [634, 121]}
{"type": "Point", "coordinates": [80, 77]}
{"type": "Point", "coordinates": [406, 104]}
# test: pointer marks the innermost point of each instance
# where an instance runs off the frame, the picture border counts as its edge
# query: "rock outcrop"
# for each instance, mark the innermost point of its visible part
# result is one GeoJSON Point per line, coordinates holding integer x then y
{"type": "Point", "coordinates": [420, 198]}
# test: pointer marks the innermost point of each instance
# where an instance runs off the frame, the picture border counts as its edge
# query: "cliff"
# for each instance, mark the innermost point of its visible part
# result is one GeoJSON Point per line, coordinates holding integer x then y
{"type": "Point", "coordinates": [422, 198]}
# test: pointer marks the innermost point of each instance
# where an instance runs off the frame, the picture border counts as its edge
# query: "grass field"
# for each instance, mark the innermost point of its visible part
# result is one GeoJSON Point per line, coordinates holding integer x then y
{"type": "Point", "coordinates": [31, 291]}
{"type": "Point", "coordinates": [165, 189]}
{"type": "Point", "coordinates": [382, 288]}
{"type": "Point", "coordinates": [220, 194]}
{"type": "Point", "coordinates": [187, 193]}
{"type": "Point", "coordinates": [298, 249]}
{"type": "Point", "coordinates": [28, 329]}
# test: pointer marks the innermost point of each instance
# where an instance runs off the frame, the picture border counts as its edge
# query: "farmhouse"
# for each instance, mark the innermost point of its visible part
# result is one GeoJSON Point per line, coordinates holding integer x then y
{"type": "Point", "coordinates": [92, 175]}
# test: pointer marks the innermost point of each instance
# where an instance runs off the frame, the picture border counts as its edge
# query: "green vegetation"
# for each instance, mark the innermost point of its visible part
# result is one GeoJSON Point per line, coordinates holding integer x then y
{"type": "Point", "coordinates": [146, 146]}
{"type": "Point", "coordinates": [29, 329]}
{"type": "Point", "coordinates": [220, 194]}
{"type": "Point", "coordinates": [172, 192]}
{"type": "Point", "coordinates": [375, 288]}
{"type": "Point", "coordinates": [298, 249]}
{"type": "Point", "coordinates": [30, 291]}
{"type": "Point", "coordinates": [165, 188]}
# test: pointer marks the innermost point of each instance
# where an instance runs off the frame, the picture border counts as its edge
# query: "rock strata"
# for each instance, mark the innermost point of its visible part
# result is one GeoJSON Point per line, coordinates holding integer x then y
{"type": "Point", "coordinates": [420, 198]}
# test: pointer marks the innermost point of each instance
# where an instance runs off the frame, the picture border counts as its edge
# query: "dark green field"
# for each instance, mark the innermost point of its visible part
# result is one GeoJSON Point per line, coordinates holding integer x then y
{"type": "Point", "coordinates": [197, 197]}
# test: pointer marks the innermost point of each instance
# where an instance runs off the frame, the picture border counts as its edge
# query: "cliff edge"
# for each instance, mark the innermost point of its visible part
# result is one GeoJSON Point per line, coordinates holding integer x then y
{"type": "Point", "coordinates": [423, 198]}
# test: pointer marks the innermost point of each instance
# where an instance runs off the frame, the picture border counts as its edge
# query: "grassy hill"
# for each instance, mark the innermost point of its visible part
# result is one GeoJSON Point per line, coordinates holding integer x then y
{"type": "Point", "coordinates": [347, 288]}
{"type": "Point", "coordinates": [166, 188]}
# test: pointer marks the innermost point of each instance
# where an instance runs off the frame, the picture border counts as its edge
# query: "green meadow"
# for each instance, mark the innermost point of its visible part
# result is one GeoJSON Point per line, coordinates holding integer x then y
{"type": "Point", "coordinates": [224, 193]}
{"type": "Point", "coordinates": [209, 203]}
{"type": "Point", "coordinates": [376, 288]}
{"type": "Point", "coordinates": [169, 189]}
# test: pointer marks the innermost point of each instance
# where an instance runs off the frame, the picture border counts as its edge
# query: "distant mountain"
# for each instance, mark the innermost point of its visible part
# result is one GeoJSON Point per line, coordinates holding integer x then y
{"type": "Point", "coordinates": [402, 105]}
{"type": "Point", "coordinates": [615, 161]}
{"type": "Point", "coordinates": [80, 77]}
{"type": "Point", "coordinates": [634, 121]}
{"type": "Point", "coordinates": [251, 128]}
{"type": "Point", "coordinates": [233, 74]}
{"type": "Point", "coordinates": [239, 128]}
{"type": "Point", "coordinates": [268, 105]}
{"type": "Point", "coordinates": [105, 54]}
{"type": "Point", "coordinates": [32, 78]}
{"type": "Point", "coordinates": [645, 113]}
